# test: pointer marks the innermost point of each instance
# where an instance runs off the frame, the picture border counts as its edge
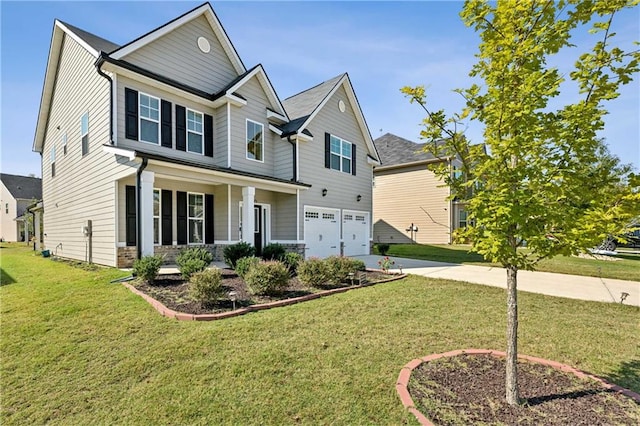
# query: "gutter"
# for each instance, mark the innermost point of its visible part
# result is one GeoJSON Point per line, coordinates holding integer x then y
{"type": "Point", "coordinates": [295, 159]}
{"type": "Point", "coordinates": [143, 166]}
{"type": "Point", "coordinates": [98, 64]}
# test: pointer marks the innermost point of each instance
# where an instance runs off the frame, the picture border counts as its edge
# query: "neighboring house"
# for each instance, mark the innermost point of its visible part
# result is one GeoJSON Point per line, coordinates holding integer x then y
{"type": "Point", "coordinates": [169, 141]}
{"type": "Point", "coordinates": [18, 193]}
{"type": "Point", "coordinates": [410, 203]}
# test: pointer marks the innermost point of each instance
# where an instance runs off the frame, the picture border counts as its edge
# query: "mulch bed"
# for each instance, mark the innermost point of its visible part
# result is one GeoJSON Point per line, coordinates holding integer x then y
{"type": "Point", "coordinates": [173, 292]}
{"type": "Point", "coordinates": [470, 389]}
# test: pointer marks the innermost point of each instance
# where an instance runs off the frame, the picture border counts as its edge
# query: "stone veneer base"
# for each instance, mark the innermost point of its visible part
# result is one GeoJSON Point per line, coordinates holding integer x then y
{"type": "Point", "coordinates": [403, 379]}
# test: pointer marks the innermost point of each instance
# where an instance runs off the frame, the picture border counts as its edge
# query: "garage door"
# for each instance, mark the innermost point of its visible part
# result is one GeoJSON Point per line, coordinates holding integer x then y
{"type": "Point", "coordinates": [355, 232]}
{"type": "Point", "coordinates": [321, 231]}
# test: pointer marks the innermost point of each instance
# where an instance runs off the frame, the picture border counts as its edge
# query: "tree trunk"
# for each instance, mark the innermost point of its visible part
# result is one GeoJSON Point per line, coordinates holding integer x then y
{"type": "Point", "coordinates": [512, 336]}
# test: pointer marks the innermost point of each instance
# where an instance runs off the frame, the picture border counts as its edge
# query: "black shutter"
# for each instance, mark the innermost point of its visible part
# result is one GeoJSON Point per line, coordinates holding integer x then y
{"type": "Point", "coordinates": [327, 150]}
{"type": "Point", "coordinates": [181, 128]}
{"type": "Point", "coordinates": [208, 135]}
{"type": "Point", "coordinates": [131, 113]}
{"type": "Point", "coordinates": [167, 225]}
{"type": "Point", "coordinates": [130, 209]}
{"type": "Point", "coordinates": [353, 159]}
{"type": "Point", "coordinates": [181, 213]}
{"type": "Point", "coordinates": [208, 218]}
{"type": "Point", "coordinates": [165, 124]}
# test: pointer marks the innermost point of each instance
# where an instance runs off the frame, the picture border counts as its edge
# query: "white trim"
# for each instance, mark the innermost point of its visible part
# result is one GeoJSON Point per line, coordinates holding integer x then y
{"type": "Point", "coordinates": [275, 130]}
{"type": "Point", "coordinates": [340, 154]}
{"type": "Point", "coordinates": [272, 115]}
{"type": "Point", "coordinates": [286, 242]}
{"type": "Point", "coordinates": [229, 135]}
{"type": "Point", "coordinates": [140, 117]}
{"type": "Point", "coordinates": [233, 99]}
{"type": "Point", "coordinates": [114, 108]}
{"type": "Point", "coordinates": [189, 218]}
{"type": "Point", "coordinates": [302, 137]}
{"type": "Point", "coordinates": [266, 87]}
{"type": "Point", "coordinates": [77, 39]}
{"type": "Point", "coordinates": [194, 132]}
{"type": "Point", "coordinates": [372, 161]}
{"type": "Point", "coordinates": [246, 140]}
{"type": "Point", "coordinates": [229, 212]}
{"type": "Point", "coordinates": [131, 155]}
{"type": "Point", "coordinates": [298, 215]}
{"type": "Point", "coordinates": [227, 242]}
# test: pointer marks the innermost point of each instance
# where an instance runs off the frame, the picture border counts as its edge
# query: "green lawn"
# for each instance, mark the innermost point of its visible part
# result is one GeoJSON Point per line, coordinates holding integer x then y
{"type": "Point", "coordinates": [628, 268]}
{"type": "Point", "coordinates": [78, 350]}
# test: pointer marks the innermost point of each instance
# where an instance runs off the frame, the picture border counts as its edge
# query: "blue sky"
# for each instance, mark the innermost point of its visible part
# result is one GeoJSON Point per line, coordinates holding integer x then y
{"type": "Point", "coordinates": [382, 45]}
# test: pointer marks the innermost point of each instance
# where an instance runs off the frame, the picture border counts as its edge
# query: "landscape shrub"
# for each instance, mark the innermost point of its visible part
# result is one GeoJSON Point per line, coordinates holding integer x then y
{"type": "Point", "coordinates": [232, 253]}
{"type": "Point", "coordinates": [292, 260]}
{"type": "Point", "coordinates": [206, 286]}
{"type": "Point", "coordinates": [243, 265]}
{"type": "Point", "coordinates": [313, 272]}
{"type": "Point", "coordinates": [147, 268]}
{"type": "Point", "coordinates": [273, 251]}
{"type": "Point", "coordinates": [192, 260]}
{"type": "Point", "coordinates": [339, 268]}
{"type": "Point", "coordinates": [267, 277]}
{"type": "Point", "coordinates": [383, 248]}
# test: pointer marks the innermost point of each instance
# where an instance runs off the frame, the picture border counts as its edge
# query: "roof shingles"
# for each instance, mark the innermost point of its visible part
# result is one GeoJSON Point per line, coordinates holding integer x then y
{"type": "Point", "coordinates": [23, 187]}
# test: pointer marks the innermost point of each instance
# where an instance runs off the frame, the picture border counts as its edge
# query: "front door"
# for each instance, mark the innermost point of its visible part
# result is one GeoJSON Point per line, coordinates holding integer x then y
{"type": "Point", "coordinates": [258, 231]}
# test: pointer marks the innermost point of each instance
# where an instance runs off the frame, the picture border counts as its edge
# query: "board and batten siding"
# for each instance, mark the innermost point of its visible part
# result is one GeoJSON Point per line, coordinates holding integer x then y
{"type": "Point", "coordinates": [176, 55]}
{"type": "Point", "coordinates": [407, 195]}
{"type": "Point", "coordinates": [83, 187]}
{"type": "Point", "coordinates": [342, 188]}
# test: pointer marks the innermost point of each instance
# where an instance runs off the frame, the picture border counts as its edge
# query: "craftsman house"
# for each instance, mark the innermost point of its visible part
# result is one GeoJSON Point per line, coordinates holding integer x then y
{"type": "Point", "coordinates": [169, 141]}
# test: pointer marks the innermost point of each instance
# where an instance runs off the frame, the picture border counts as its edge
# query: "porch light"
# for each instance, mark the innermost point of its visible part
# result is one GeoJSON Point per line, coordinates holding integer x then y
{"type": "Point", "coordinates": [358, 198]}
{"type": "Point", "coordinates": [324, 192]}
{"type": "Point", "coordinates": [233, 297]}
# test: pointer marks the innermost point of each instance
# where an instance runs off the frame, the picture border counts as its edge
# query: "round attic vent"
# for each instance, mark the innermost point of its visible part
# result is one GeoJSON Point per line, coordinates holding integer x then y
{"type": "Point", "coordinates": [341, 105]}
{"type": "Point", "coordinates": [203, 44]}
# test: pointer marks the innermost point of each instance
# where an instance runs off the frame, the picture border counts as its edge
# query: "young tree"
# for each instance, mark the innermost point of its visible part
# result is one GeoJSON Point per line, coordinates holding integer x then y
{"type": "Point", "coordinates": [545, 180]}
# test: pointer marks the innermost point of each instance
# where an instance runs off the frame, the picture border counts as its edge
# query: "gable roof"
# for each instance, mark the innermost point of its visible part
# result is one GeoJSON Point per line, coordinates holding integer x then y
{"type": "Point", "coordinates": [22, 187]}
{"type": "Point", "coordinates": [98, 44]}
{"type": "Point", "coordinates": [395, 150]}
{"type": "Point", "coordinates": [305, 102]}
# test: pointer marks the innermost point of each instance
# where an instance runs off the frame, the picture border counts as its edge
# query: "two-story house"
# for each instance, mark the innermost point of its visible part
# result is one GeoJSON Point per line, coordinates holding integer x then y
{"type": "Point", "coordinates": [169, 141]}
{"type": "Point", "coordinates": [17, 193]}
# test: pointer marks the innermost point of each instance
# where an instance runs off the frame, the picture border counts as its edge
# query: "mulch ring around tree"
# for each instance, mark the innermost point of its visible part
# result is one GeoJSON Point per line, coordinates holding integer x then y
{"type": "Point", "coordinates": [173, 292]}
{"type": "Point", "coordinates": [470, 389]}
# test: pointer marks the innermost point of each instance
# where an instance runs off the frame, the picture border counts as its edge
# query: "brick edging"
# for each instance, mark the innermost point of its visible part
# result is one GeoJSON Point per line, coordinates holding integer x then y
{"type": "Point", "coordinates": [403, 379]}
{"type": "Point", "coordinates": [181, 316]}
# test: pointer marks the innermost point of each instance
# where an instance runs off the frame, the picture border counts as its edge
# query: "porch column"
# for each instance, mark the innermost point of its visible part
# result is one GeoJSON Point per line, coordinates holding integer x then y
{"type": "Point", "coordinates": [36, 229]}
{"type": "Point", "coordinates": [248, 224]}
{"type": "Point", "coordinates": [146, 213]}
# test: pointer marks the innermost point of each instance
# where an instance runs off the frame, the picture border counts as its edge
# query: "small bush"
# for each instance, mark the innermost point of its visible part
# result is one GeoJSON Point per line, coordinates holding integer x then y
{"type": "Point", "coordinates": [243, 265]}
{"type": "Point", "coordinates": [237, 251]}
{"type": "Point", "coordinates": [206, 286]}
{"type": "Point", "coordinates": [147, 268]}
{"type": "Point", "coordinates": [193, 260]}
{"type": "Point", "coordinates": [273, 251]}
{"type": "Point", "coordinates": [267, 277]}
{"type": "Point", "coordinates": [339, 268]}
{"type": "Point", "coordinates": [383, 248]}
{"type": "Point", "coordinates": [292, 260]}
{"type": "Point", "coordinates": [313, 272]}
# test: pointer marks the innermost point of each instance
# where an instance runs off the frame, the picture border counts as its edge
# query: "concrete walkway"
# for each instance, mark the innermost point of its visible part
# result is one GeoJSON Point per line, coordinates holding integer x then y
{"type": "Point", "coordinates": [561, 285]}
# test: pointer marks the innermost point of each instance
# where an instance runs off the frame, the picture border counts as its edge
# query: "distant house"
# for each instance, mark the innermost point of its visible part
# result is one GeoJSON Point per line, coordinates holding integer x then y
{"type": "Point", "coordinates": [18, 193]}
{"type": "Point", "coordinates": [410, 202]}
{"type": "Point", "coordinates": [169, 141]}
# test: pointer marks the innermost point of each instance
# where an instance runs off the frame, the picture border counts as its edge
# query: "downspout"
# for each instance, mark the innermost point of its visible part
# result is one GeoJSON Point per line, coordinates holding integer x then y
{"type": "Point", "coordinates": [98, 64]}
{"type": "Point", "coordinates": [139, 207]}
{"type": "Point", "coordinates": [295, 158]}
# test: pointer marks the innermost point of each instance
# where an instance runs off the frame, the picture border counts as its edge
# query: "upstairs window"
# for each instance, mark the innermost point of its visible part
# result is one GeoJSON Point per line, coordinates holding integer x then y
{"type": "Point", "coordinates": [194, 131]}
{"type": "Point", "coordinates": [255, 141]}
{"type": "Point", "coordinates": [53, 160]}
{"type": "Point", "coordinates": [6, 208]}
{"type": "Point", "coordinates": [340, 155]}
{"type": "Point", "coordinates": [149, 119]}
{"type": "Point", "coordinates": [64, 143]}
{"type": "Point", "coordinates": [84, 133]}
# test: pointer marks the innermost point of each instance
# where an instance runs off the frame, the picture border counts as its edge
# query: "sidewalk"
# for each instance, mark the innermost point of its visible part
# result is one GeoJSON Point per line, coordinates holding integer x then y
{"type": "Point", "coordinates": [552, 284]}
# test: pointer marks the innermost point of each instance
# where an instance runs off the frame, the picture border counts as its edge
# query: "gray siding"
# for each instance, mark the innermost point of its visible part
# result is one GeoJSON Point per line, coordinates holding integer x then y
{"type": "Point", "coordinates": [283, 218]}
{"type": "Point", "coordinates": [342, 188]}
{"type": "Point", "coordinates": [176, 55]}
{"type": "Point", "coordinates": [220, 143]}
{"type": "Point", "coordinates": [83, 188]}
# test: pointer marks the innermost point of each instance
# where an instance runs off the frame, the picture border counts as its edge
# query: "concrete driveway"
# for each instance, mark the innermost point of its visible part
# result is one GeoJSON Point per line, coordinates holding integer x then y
{"type": "Point", "coordinates": [561, 285]}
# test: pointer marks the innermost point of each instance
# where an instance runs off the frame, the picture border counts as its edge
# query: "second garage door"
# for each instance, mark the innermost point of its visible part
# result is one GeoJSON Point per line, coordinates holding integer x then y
{"type": "Point", "coordinates": [321, 231]}
{"type": "Point", "coordinates": [355, 232]}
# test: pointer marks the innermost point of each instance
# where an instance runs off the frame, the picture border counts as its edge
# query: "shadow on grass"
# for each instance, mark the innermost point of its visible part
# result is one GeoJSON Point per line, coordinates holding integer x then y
{"type": "Point", "coordinates": [5, 278]}
{"type": "Point", "coordinates": [627, 375]}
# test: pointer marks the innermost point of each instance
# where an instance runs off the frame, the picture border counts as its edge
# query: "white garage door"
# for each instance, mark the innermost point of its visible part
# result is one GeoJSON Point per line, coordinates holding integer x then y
{"type": "Point", "coordinates": [321, 231]}
{"type": "Point", "coordinates": [355, 232]}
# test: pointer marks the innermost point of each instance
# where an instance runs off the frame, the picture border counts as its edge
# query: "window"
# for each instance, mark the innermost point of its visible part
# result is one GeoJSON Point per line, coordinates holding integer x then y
{"type": "Point", "coordinates": [156, 216]}
{"type": "Point", "coordinates": [6, 208]}
{"type": "Point", "coordinates": [194, 131]}
{"type": "Point", "coordinates": [149, 119]}
{"type": "Point", "coordinates": [340, 155]}
{"type": "Point", "coordinates": [64, 143]}
{"type": "Point", "coordinates": [196, 218]}
{"type": "Point", "coordinates": [53, 161]}
{"type": "Point", "coordinates": [462, 222]}
{"type": "Point", "coordinates": [255, 141]}
{"type": "Point", "coordinates": [84, 133]}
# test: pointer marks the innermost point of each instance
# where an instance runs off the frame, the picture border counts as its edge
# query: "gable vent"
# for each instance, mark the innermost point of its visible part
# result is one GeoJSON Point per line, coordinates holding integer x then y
{"type": "Point", "coordinates": [203, 45]}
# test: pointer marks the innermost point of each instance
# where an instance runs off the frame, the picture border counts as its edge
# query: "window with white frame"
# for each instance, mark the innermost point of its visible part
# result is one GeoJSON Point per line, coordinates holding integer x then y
{"type": "Point", "coordinates": [53, 160]}
{"type": "Point", "coordinates": [84, 133]}
{"type": "Point", "coordinates": [149, 119]}
{"type": "Point", "coordinates": [255, 141]}
{"type": "Point", "coordinates": [462, 221]}
{"type": "Point", "coordinates": [196, 218]}
{"type": "Point", "coordinates": [340, 154]}
{"type": "Point", "coordinates": [156, 216]}
{"type": "Point", "coordinates": [194, 131]}
{"type": "Point", "coordinates": [64, 143]}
